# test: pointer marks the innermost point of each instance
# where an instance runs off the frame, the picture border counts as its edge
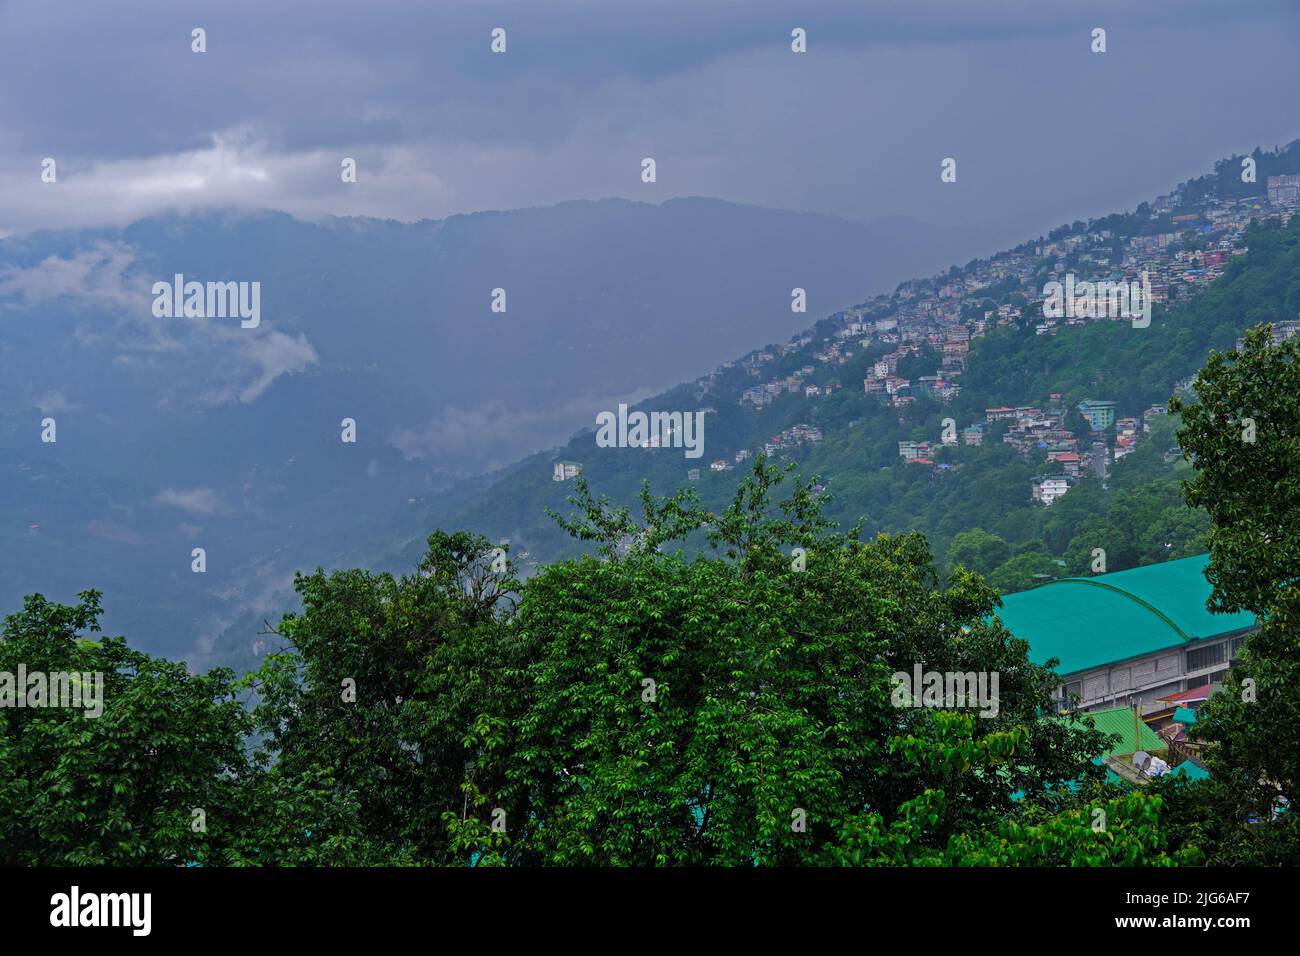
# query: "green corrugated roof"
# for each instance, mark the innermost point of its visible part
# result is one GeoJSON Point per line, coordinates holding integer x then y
{"type": "Point", "coordinates": [1088, 622]}
{"type": "Point", "coordinates": [1119, 720]}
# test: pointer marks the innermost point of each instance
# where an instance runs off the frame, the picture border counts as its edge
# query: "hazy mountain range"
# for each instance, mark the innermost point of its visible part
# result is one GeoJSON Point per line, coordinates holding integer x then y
{"type": "Point", "coordinates": [178, 433]}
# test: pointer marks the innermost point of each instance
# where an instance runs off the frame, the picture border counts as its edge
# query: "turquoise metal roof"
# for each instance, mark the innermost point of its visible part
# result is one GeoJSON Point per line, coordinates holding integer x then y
{"type": "Point", "coordinates": [1191, 771]}
{"type": "Point", "coordinates": [1090, 622]}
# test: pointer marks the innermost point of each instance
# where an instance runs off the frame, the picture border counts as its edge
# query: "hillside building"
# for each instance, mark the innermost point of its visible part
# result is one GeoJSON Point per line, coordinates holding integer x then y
{"type": "Point", "coordinates": [1130, 637]}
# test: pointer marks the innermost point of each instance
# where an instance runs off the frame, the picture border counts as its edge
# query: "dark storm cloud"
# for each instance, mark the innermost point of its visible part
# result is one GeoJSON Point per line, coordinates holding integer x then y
{"type": "Point", "coordinates": [1043, 130]}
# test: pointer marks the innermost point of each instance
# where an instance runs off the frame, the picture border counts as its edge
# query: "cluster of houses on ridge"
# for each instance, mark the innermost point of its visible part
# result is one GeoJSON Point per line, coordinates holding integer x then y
{"type": "Point", "coordinates": [778, 446]}
{"type": "Point", "coordinates": [761, 395]}
{"type": "Point", "coordinates": [1042, 431]}
{"type": "Point", "coordinates": [947, 312]}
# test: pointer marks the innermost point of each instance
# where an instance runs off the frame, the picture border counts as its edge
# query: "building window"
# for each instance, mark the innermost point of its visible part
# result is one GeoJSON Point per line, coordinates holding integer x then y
{"type": "Point", "coordinates": [1237, 644]}
{"type": "Point", "coordinates": [1202, 657]}
{"type": "Point", "coordinates": [1068, 694]}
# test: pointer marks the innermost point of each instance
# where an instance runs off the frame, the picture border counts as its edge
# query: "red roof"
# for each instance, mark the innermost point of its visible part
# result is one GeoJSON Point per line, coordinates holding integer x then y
{"type": "Point", "coordinates": [1192, 696]}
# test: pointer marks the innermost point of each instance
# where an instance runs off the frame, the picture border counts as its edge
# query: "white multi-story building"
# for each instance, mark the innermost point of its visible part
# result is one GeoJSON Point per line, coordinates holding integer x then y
{"type": "Point", "coordinates": [1049, 489]}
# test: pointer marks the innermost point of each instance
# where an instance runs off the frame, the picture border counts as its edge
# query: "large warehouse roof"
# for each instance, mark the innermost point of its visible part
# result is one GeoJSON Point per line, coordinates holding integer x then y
{"type": "Point", "coordinates": [1090, 622]}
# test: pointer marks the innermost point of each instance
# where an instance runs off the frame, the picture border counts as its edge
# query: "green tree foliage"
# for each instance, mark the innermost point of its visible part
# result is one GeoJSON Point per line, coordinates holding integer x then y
{"type": "Point", "coordinates": [1226, 180]}
{"type": "Point", "coordinates": [399, 689]}
{"type": "Point", "coordinates": [119, 788]}
{"type": "Point", "coordinates": [1024, 571]}
{"type": "Point", "coordinates": [1111, 830]}
{"type": "Point", "coordinates": [922, 362]}
{"type": "Point", "coordinates": [643, 706]}
{"type": "Point", "coordinates": [771, 692]}
{"type": "Point", "coordinates": [978, 551]}
{"type": "Point", "coordinates": [1243, 433]}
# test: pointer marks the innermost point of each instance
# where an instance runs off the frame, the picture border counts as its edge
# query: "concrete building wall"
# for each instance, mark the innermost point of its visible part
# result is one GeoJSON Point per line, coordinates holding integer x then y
{"type": "Point", "coordinates": [1154, 675]}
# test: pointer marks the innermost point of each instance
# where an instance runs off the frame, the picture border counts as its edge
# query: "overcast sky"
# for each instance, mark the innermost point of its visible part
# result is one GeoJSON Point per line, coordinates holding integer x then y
{"type": "Point", "coordinates": [1044, 130]}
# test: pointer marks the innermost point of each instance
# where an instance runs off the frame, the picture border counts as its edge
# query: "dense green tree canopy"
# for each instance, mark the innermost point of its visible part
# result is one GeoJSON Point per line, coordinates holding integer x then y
{"type": "Point", "coordinates": [1243, 433]}
{"type": "Point", "coordinates": [120, 787]}
{"type": "Point", "coordinates": [771, 691]}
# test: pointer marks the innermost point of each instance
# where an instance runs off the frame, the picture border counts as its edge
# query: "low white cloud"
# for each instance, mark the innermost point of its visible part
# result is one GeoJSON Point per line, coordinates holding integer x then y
{"type": "Point", "coordinates": [107, 278]}
{"type": "Point", "coordinates": [201, 501]}
{"type": "Point", "coordinates": [257, 360]}
{"type": "Point", "coordinates": [275, 354]}
{"type": "Point", "coordinates": [100, 275]}
{"type": "Point", "coordinates": [54, 402]}
{"type": "Point", "coordinates": [491, 436]}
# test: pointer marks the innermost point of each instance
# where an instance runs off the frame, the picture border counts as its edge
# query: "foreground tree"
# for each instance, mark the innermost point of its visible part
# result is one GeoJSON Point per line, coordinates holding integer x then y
{"type": "Point", "coordinates": [386, 701]}
{"type": "Point", "coordinates": [1100, 826]}
{"type": "Point", "coordinates": [153, 779]}
{"type": "Point", "coordinates": [1243, 435]}
{"type": "Point", "coordinates": [736, 707]}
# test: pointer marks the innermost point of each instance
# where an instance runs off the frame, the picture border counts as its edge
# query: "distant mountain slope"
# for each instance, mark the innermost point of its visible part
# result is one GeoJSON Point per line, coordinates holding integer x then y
{"type": "Point", "coordinates": [980, 487]}
{"type": "Point", "coordinates": [228, 438]}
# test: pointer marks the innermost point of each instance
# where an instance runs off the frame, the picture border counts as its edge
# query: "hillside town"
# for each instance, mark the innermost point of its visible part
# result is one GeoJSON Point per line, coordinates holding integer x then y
{"type": "Point", "coordinates": [1042, 432]}
{"type": "Point", "coordinates": [1171, 248]}
{"type": "Point", "coordinates": [944, 314]}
